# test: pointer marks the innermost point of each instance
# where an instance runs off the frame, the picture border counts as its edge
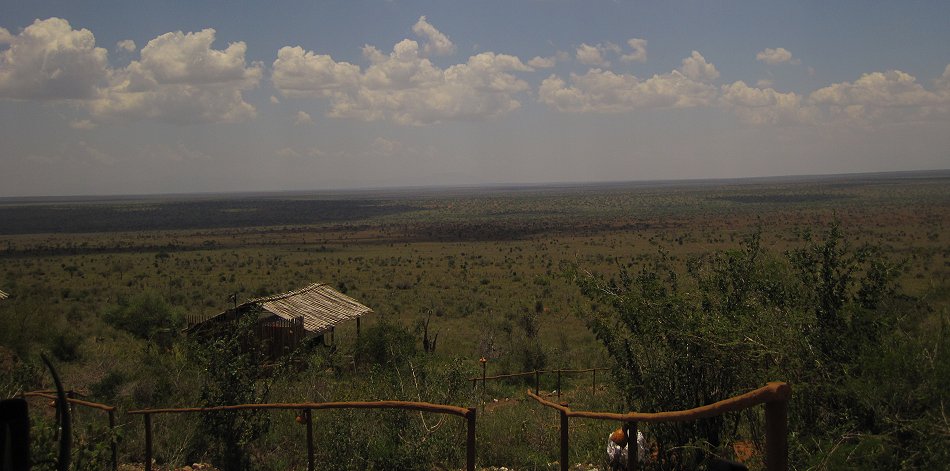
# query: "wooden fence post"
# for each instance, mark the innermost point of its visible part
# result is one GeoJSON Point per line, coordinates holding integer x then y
{"type": "Point", "coordinates": [308, 416]}
{"type": "Point", "coordinates": [484, 371]}
{"type": "Point", "coordinates": [776, 435]}
{"type": "Point", "coordinates": [565, 461]}
{"type": "Point", "coordinates": [633, 448]}
{"type": "Point", "coordinates": [148, 442]}
{"type": "Point", "coordinates": [114, 445]}
{"type": "Point", "coordinates": [559, 384]}
{"type": "Point", "coordinates": [593, 387]}
{"type": "Point", "coordinates": [470, 441]}
{"type": "Point", "coordinates": [537, 382]}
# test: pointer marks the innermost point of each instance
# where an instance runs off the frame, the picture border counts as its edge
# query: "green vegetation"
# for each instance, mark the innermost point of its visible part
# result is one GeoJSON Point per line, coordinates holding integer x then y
{"type": "Point", "coordinates": [856, 319]}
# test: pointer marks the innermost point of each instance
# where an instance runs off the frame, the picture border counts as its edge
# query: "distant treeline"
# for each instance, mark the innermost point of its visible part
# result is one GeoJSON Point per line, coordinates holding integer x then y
{"type": "Point", "coordinates": [120, 217]}
{"type": "Point", "coordinates": [782, 198]}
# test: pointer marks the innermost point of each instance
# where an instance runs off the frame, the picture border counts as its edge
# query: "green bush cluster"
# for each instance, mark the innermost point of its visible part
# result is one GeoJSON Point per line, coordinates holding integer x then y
{"type": "Point", "coordinates": [826, 317]}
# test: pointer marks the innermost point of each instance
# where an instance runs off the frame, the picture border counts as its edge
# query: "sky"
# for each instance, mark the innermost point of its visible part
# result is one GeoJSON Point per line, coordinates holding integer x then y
{"type": "Point", "coordinates": [119, 97]}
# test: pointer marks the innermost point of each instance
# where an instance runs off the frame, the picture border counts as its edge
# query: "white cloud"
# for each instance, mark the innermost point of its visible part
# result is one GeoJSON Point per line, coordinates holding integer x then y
{"type": "Point", "coordinates": [189, 58]}
{"type": "Point", "coordinates": [403, 86]}
{"type": "Point", "coordinates": [181, 79]}
{"type": "Point", "coordinates": [49, 60]}
{"type": "Point", "coordinates": [436, 43]}
{"type": "Point", "coordinates": [288, 152]}
{"type": "Point", "coordinates": [595, 55]}
{"type": "Point", "coordinates": [125, 45]}
{"type": "Point", "coordinates": [766, 106]}
{"type": "Point", "coordinates": [696, 68]}
{"type": "Point", "coordinates": [302, 73]}
{"type": "Point", "coordinates": [943, 83]}
{"type": "Point", "coordinates": [765, 83]}
{"type": "Point", "coordinates": [539, 62]}
{"type": "Point", "coordinates": [602, 91]}
{"type": "Point", "coordinates": [302, 119]}
{"type": "Point", "coordinates": [775, 56]}
{"type": "Point", "coordinates": [639, 53]}
{"type": "Point", "coordinates": [83, 124]}
{"type": "Point", "coordinates": [890, 96]}
{"type": "Point", "coordinates": [274, 100]}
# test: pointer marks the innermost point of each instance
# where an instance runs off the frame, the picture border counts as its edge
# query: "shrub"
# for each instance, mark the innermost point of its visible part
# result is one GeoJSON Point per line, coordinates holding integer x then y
{"type": "Point", "coordinates": [144, 315]}
{"type": "Point", "coordinates": [822, 317]}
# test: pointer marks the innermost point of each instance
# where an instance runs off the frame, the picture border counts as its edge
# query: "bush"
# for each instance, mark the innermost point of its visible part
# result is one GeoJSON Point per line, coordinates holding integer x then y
{"type": "Point", "coordinates": [385, 343]}
{"type": "Point", "coordinates": [823, 317]}
{"type": "Point", "coordinates": [144, 315]}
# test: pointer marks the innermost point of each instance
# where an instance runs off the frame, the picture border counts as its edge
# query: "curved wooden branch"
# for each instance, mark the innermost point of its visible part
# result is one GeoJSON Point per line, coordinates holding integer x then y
{"type": "Point", "coordinates": [772, 392]}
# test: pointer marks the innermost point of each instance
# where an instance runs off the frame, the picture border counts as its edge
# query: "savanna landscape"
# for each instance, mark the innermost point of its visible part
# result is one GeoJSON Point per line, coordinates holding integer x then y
{"type": "Point", "coordinates": [688, 292]}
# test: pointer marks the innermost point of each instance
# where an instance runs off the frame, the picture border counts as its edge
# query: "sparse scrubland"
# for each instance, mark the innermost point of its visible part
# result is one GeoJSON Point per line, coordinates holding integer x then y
{"type": "Point", "coordinates": [690, 294]}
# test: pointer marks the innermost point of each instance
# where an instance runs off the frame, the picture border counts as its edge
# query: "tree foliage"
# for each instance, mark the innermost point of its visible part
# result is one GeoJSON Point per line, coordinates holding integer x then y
{"type": "Point", "coordinates": [822, 316]}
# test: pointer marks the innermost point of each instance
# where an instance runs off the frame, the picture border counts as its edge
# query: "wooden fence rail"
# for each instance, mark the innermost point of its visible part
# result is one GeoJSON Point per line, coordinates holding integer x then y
{"type": "Point", "coordinates": [775, 396]}
{"type": "Point", "coordinates": [114, 447]}
{"type": "Point", "coordinates": [537, 377]}
{"type": "Point", "coordinates": [307, 407]}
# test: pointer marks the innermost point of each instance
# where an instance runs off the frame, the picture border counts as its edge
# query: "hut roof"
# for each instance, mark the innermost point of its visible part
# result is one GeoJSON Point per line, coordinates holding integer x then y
{"type": "Point", "coordinates": [4, 295]}
{"type": "Point", "coordinates": [321, 306]}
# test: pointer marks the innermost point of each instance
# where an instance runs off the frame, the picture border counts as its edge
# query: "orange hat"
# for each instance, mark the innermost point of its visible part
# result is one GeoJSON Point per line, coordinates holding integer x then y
{"type": "Point", "coordinates": [619, 437]}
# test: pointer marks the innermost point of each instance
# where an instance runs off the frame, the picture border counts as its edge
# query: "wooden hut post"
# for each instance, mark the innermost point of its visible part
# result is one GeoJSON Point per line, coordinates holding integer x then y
{"type": "Point", "coordinates": [357, 327]}
{"type": "Point", "coordinates": [776, 435]}
{"type": "Point", "coordinates": [308, 416]}
{"type": "Point", "coordinates": [470, 440]}
{"type": "Point", "coordinates": [114, 444]}
{"type": "Point", "coordinates": [148, 442]}
{"type": "Point", "coordinates": [633, 448]}
{"type": "Point", "coordinates": [565, 461]}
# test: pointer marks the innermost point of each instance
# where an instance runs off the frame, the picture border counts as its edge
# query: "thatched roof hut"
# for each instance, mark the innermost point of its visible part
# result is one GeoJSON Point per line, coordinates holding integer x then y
{"type": "Point", "coordinates": [321, 307]}
{"type": "Point", "coordinates": [318, 306]}
{"type": "Point", "coordinates": [4, 295]}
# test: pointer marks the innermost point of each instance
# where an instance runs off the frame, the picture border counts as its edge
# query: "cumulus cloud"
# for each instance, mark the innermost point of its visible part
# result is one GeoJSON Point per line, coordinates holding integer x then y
{"type": "Point", "coordinates": [603, 91]}
{"type": "Point", "coordinates": [765, 105]}
{"type": "Point", "coordinates": [874, 98]}
{"type": "Point", "coordinates": [595, 55]}
{"type": "Point", "coordinates": [889, 96]}
{"type": "Point", "coordinates": [435, 42]}
{"type": "Point", "coordinates": [181, 79]}
{"type": "Point", "coordinates": [125, 45]}
{"type": "Point", "coordinates": [189, 58]}
{"type": "Point", "coordinates": [83, 124]}
{"type": "Point", "coordinates": [639, 54]}
{"type": "Point", "coordinates": [303, 118]}
{"type": "Point", "coordinates": [403, 86]}
{"type": "Point", "coordinates": [539, 62]}
{"type": "Point", "coordinates": [775, 56]}
{"type": "Point", "coordinates": [49, 60]}
{"type": "Point", "coordinates": [696, 68]}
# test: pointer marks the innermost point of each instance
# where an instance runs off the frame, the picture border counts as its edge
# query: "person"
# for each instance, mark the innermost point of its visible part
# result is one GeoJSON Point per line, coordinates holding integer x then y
{"type": "Point", "coordinates": [617, 449]}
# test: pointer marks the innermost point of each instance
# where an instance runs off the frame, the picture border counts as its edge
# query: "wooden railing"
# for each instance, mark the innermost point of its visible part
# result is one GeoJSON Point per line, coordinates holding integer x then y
{"type": "Point", "coordinates": [537, 377]}
{"type": "Point", "coordinates": [114, 448]}
{"type": "Point", "coordinates": [467, 413]}
{"type": "Point", "coordinates": [775, 396]}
